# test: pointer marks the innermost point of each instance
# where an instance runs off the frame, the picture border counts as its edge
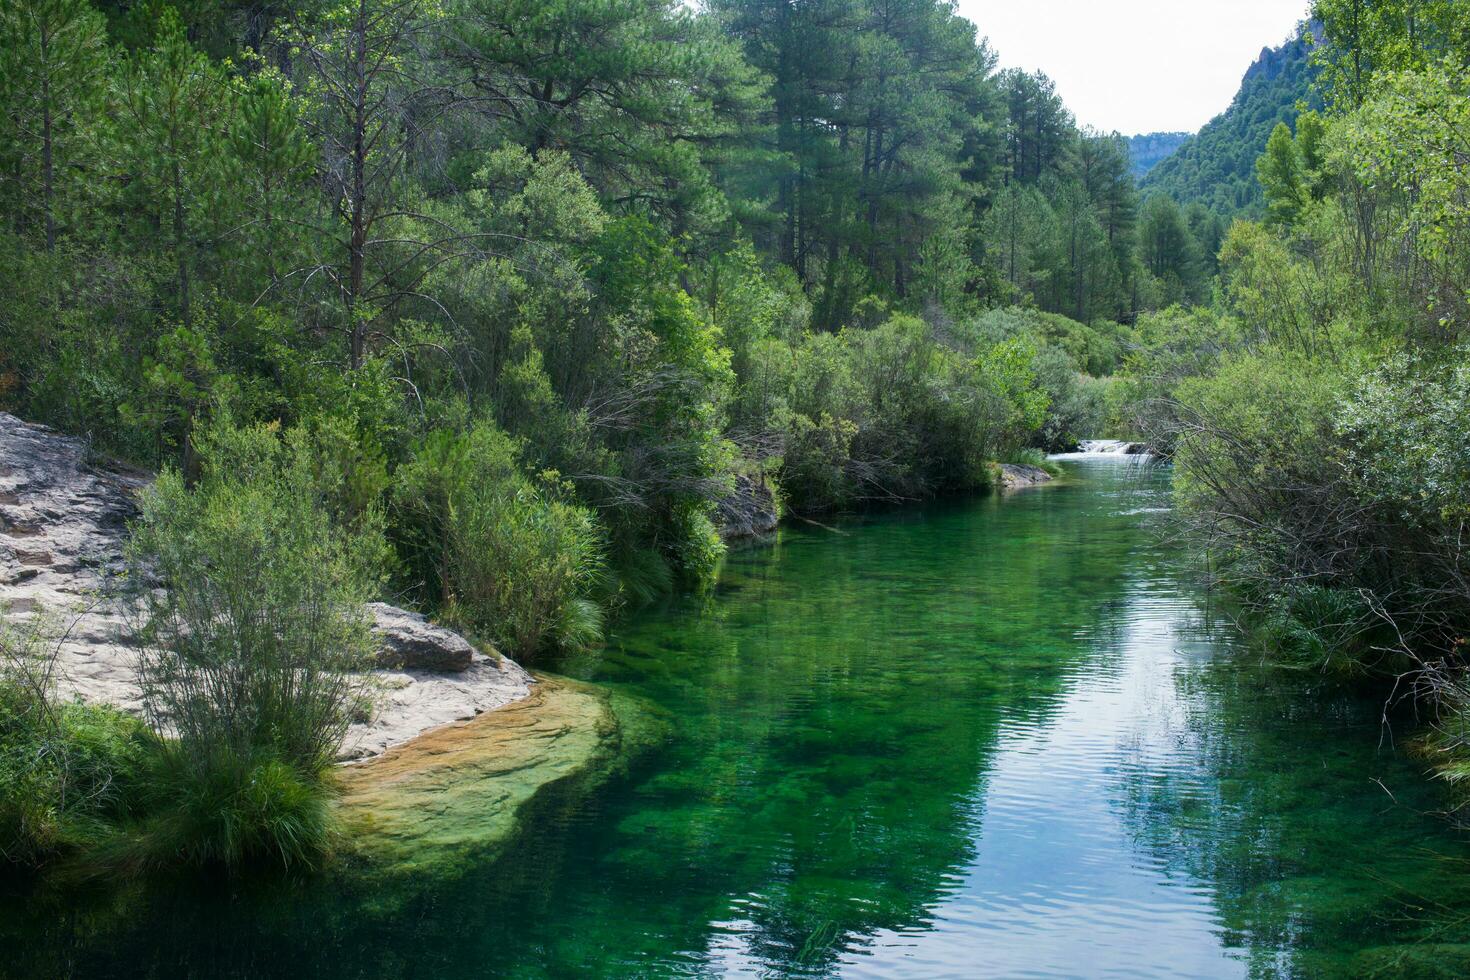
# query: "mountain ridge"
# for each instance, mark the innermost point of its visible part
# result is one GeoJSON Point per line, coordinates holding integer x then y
{"type": "Point", "coordinates": [1217, 165]}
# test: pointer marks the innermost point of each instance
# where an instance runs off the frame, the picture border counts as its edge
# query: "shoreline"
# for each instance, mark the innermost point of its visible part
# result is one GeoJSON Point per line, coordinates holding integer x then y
{"type": "Point", "coordinates": [62, 526]}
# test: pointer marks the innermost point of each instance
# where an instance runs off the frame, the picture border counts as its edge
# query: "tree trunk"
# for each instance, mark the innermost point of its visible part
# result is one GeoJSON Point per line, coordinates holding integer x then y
{"type": "Point", "coordinates": [357, 242]}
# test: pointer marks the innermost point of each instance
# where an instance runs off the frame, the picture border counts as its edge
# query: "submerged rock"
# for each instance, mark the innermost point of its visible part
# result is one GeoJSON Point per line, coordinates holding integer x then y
{"type": "Point", "coordinates": [458, 791]}
{"type": "Point", "coordinates": [63, 522]}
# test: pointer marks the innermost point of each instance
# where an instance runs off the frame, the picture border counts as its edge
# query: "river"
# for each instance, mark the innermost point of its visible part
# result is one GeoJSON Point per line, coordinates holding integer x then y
{"type": "Point", "coordinates": [990, 737]}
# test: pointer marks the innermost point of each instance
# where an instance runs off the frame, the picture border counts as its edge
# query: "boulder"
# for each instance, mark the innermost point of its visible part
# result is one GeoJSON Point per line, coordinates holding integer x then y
{"type": "Point", "coordinates": [748, 512]}
{"type": "Point", "coordinates": [408, 641]}
{"type": "Point", "coordinates": [1014, 476]}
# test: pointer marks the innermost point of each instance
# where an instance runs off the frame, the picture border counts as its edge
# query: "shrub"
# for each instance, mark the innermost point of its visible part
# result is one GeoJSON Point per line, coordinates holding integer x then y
{"type": "Point", "coordinates": [255, 636]}
{"type": "Point", "coordinates": [506, 556]}
{"type": "Point", "coordinates": [226, 810]}
{"type": "Point", "coordinates": [249, 654]}
{"type": "Point", "coordinates": [1329, 629]}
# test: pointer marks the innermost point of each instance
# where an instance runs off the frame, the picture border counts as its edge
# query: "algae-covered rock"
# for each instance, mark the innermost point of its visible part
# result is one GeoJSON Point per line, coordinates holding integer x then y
{"type": "Point", "coordinates": [456, 791]}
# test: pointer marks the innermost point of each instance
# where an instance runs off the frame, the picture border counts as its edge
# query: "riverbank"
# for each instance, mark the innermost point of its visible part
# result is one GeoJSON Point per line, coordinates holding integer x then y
{"type": "Point", "coordinates": [993, 730]}
{"type": "Point", "coordinates": [63, 519]}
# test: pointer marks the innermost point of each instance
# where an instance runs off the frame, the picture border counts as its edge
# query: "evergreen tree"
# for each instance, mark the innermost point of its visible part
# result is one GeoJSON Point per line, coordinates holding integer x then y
{"type": "Point", "coordinates": [178, 107]}
{"type": "Point", "coordinates": [53, 99]}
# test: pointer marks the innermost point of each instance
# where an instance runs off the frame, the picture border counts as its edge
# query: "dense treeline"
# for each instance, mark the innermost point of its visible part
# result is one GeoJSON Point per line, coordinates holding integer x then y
{"type": "Point", "coordinates": [1320, 412]}
{"type": "Point", "coordinates": [612, 252]}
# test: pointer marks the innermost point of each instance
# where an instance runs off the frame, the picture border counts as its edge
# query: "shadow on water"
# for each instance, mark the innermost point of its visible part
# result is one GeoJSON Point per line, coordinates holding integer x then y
{"type": "Point", "coordinates": [975, 738]}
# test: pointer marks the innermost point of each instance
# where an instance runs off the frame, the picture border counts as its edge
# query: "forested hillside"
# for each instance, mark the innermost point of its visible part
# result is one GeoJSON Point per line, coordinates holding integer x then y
{"type": "Point", "coordinates": [1217, 166]}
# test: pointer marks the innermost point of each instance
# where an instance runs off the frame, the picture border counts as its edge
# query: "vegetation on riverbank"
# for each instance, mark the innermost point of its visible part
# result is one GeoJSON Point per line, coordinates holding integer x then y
{"type": "Point", "coordinates": [538, 281]}
{"type": "Point", "coordinates": [486, 305]}
{"type": "Point", "coordinates": [1320, 414]}
{"type": "Point", "coordinates": [248, 594]}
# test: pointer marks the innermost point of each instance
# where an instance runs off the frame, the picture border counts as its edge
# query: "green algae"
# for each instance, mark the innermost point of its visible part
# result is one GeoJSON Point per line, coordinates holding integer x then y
{"type": "Point", "coordinates": [454, 794]}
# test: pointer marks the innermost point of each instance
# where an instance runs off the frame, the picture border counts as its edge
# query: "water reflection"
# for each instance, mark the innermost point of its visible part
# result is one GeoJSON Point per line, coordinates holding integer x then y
{"type": "Point", "coordinates": [980, 738]}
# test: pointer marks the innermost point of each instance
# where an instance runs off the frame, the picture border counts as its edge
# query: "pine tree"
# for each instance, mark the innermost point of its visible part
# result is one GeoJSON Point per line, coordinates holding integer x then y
{"type": "Point", "coordinates": [53, 89]}
{"type": "Point", "coordinates": [178, 108]}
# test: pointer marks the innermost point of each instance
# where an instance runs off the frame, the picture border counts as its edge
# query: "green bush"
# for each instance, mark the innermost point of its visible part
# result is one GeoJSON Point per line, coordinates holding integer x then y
{"type": "Point", "coordinates": [1319, 628]}
{"type": "Point", "coordinates": [901, 410]}
{"type": "Point", "coordinates": [508, 557]}
{"type": "Point", "coordinates": [225, 810]}
{"type": "Point", "coordinates": [250, 655]}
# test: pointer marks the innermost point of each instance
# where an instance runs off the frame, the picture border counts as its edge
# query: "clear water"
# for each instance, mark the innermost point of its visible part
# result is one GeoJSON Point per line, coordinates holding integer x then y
{"type": "Point", "coordinates": [984, 738]}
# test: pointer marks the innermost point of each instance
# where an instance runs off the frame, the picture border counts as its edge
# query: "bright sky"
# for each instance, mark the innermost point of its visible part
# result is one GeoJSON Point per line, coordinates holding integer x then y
{"type": "Point", "coordinates": [1137, 66]}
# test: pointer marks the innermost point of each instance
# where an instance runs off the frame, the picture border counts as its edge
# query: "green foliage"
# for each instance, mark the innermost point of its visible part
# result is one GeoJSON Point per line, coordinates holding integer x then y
{"type": "Point", "coordinates": [1071, 364]}
{"type": "Point", "coordinates": [1170, 253]}
{"type": "Point", "coordinates": [1319, 628]}
{"type": "Point", "coordinates": [895, 411]}
{"type": "Point", "coordinates": [1319, 426]}
{"type": "Point", "coordinates": [253, 643]}
{"type": "Point", "coordinates": [68, 772]}
{"type": "Point", "coordinates": [1291, 171]}
{"type": "Point", "coordinates": [1363, 42]}
{"type": "Point", "coordinates": [225, 811]}
{"type": "Point", "coordinates": [53, 59]}
{"type": "Point", "coordinates": [508, 557]}
{"type": "Point", "coordinates": [1408, 434]}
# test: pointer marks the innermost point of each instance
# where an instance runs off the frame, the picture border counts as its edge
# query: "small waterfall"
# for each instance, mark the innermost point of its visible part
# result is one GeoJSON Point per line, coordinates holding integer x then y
{"type": "Point", "coordinates": [1111, 447]}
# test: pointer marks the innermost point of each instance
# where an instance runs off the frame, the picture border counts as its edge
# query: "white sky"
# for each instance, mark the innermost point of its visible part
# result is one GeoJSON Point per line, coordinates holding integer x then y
{"type": "Point", "coordinates": [1137, 66]}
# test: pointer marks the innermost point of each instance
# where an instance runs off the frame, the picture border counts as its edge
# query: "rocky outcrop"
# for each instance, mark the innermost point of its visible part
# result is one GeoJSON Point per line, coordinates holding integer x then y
{"type": "Point", "coordinates": [407, 640]}
{"type": "Point", "coordinates": [63, 520]}
{"type": "Point", "coordinates": [749, 512]}
{"type": "Point", "coordinates": [1015, 476]}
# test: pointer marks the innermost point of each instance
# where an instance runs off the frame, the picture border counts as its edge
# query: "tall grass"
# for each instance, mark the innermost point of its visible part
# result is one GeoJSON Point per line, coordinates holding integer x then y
{"type": "Point", "coordinates": [68, 772]}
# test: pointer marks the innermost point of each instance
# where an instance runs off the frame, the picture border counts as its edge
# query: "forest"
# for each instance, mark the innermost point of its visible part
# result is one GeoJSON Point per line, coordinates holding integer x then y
{"type": "Point", "coordinates": [615, 253]}
{"type": "Point", "coordinates": [491, 305]}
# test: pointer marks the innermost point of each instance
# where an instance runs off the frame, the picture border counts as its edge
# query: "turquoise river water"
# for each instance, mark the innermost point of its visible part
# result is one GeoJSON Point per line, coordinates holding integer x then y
{"type": "Point", "coordinates": [993, 737]}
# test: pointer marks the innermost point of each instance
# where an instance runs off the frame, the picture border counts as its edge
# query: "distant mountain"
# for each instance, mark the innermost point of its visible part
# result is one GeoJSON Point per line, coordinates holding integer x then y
{"type": "Point", "coordinates": [1218, 165]}
{"type": "Point", "coordinates": [1148, 150]}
